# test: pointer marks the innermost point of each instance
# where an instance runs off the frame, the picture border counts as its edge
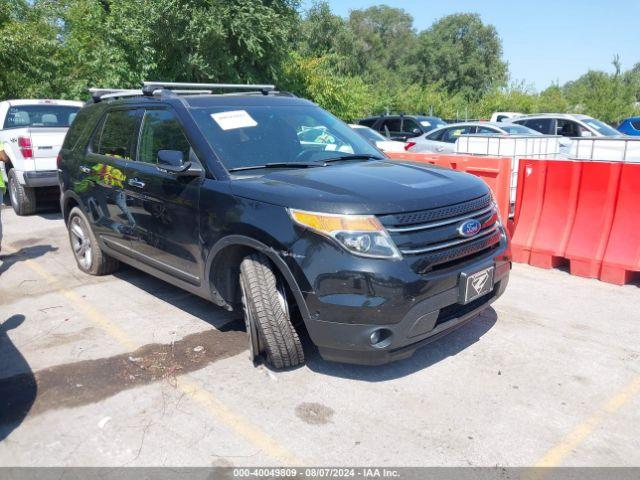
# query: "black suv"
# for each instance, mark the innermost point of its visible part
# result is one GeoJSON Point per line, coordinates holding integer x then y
{"type": "Point", "coordinates": [402, 127]}
{"type": "Point", "coordinates": [264, 203]}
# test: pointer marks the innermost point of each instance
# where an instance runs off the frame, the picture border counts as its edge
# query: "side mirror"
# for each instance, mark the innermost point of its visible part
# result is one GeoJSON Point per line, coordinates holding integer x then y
{"type": "Point", "coordinates": [416, 131]}
{"type": "Point", "coordinates": [586, 133]}
{"type": "Point", "coordinates": [170, 158]}
{"type": "Point", "coordinates": [173, 161]}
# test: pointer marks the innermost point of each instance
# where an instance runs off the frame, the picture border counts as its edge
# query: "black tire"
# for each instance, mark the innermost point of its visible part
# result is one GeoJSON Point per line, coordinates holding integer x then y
{"type": "Point", "coordinates": [84, 245]}
{"type": "Point", "coordinates": [266, 310]}
{"type": "Point", "coordinates": [23, 199]}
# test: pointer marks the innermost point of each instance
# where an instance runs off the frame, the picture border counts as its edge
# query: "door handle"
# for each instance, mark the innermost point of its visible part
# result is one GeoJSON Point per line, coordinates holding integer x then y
{"type": "Point", "coordinates": [439, 149]}
{"type": "Point", "coordinates": [134, 182]}
{"type": "Point", "coordinates": [85, 169]}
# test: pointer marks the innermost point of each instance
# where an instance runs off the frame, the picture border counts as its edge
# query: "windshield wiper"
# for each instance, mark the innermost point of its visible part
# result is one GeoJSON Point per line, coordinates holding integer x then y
{"type": "Point", "coordinates": [278, 165]}
{"type": "Point", "coordinates": [365, 156]}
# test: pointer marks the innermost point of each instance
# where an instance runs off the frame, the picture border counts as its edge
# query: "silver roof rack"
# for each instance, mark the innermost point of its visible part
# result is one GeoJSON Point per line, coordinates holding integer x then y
{"type": "Point", "coordinates": [99, 94]}
{"type": "Point", "coordinates": [151, 89]}
{"type": "Point", "coordinates": [222, 86]}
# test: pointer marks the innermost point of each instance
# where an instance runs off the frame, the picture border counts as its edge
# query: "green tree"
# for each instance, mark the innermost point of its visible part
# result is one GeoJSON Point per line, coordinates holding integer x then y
{"type": "Point", "coordinates": [462, 53]}
{"type": "Point", "coordinates": [552, 100]}
{"type": "Point", "coordinates": [602, 95]}
{"type": "Point", "coordinates": [312, 77]}
{"type": "Point", "coordinates": [378, 42]}
{"type": "Point", "coordinates": [29, 51]}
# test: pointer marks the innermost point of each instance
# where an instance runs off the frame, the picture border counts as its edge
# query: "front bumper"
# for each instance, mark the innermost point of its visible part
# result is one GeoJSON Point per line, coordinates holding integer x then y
{"type": "Point", "coordinates": [411, 309]}
{"type": "Point", "coordinates": [46, 178]}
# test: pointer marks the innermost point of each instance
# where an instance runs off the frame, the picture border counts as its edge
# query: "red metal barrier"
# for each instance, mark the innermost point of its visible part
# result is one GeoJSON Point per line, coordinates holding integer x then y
{"type": "Point", "coordinates": [495, 171]}
{"type": "Point", "coordinates": [622, 257]}
{"type": "Point", "coordinates": [599, 182]}
{"type": "Point", "coordinates": [530, 196]}
{"type": "Point", "coordinates": [562, 183]}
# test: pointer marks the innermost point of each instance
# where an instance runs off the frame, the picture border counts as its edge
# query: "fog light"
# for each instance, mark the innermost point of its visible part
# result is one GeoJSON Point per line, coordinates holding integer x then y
{"type": "Point", "coordinates": [380, 338]}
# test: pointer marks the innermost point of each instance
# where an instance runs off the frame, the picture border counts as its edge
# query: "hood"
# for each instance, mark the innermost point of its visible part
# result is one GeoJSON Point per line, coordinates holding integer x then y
{"type": "Point", "coordinates": [373, 187]}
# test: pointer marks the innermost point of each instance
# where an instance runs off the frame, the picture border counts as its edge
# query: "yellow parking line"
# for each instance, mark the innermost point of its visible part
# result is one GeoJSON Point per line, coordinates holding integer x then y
{"type": "Point", "coordinates": [560, 451]}
{"type": "Point", "coordinates": [191, 388]}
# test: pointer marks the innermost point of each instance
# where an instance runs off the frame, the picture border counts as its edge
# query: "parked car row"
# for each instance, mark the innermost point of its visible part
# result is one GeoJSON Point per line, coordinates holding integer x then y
{"type": "Point", "coordinates": [432, 134]}
{"type": "Point", "coordinates": [442, 140]}
{"type": "Point", "coordinates": [402, 127]}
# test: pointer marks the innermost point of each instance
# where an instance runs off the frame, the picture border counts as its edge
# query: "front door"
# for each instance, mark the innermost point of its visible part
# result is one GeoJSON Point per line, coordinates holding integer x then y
{"type": "Point", "coordinates": [164, 206]}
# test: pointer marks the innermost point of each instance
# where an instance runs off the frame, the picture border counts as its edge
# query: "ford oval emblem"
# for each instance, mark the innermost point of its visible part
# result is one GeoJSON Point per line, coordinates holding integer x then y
{"type": "Point", "coordinates": [469, 228]}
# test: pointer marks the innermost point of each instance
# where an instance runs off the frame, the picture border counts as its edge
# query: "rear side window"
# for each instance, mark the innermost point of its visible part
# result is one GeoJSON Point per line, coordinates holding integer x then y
{"type": "Point", "coordinates": [118, 134]}
{"type": "Point", "coordinates": [542, 125]}
{"type": "Point", "coordinates": [635, 124]}
{"type": "Point", "coordinates": [392, 124]}
{"type": "Point", "coordinates": [161, 131]}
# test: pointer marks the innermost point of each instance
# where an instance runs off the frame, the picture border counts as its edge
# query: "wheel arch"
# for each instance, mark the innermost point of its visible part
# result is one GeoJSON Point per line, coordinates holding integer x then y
{"type": "Point", "coordinates": [67, 202]}
{"type": "Point", "coordinates": [223, 268]}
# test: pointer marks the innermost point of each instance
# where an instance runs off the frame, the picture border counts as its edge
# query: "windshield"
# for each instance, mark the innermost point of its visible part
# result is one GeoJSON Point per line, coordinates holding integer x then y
{"type": "Point", "coordinates": [518, 130]}
{"type": "Point", "coordinates": [601, 127]}
{"type": "Point", "coordinates": [371, 135]}
{"type": "Point", "coordinates": [260, 135]}
{"type": "Point", "coordinates": [20, 116]}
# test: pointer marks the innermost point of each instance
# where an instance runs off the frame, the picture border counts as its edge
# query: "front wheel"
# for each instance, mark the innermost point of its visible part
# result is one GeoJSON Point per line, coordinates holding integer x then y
{"type": "Point", "coordinates": [266, 314]}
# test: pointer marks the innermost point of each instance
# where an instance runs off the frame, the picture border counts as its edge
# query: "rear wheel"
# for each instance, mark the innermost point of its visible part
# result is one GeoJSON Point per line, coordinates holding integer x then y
{"type": "Point", "coordinates": [266, 313]}
{"type": "Point", "coordinates": [23, 199]}
{"type": "Point", "coordinates": [88, 254]}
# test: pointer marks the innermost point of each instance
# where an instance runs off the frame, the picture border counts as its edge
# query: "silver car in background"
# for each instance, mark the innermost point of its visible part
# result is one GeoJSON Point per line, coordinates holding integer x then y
{"type": "Point", "coordinates": [443, 140]}
{"type": "Point", "coordinates": [566, 125]}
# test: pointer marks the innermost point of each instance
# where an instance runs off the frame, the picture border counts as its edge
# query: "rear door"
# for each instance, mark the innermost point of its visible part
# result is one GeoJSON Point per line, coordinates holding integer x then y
{"type": "Point", "coordinates": [162, 204]}
{"type": "Point", "coordinates": [102, 175]}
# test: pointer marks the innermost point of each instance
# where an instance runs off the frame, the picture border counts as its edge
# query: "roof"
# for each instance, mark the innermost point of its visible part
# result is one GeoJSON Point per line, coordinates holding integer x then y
{"type": "Point", "coordinates": [208, 101]}
{"type": "Point", "coordinates": [568, 116]}
{"type": "Point", "coordinates": [43, 101]}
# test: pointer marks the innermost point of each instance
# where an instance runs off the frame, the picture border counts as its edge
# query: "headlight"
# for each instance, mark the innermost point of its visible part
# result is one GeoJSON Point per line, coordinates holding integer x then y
{"type": "Point", "coordinates": [359, 234]}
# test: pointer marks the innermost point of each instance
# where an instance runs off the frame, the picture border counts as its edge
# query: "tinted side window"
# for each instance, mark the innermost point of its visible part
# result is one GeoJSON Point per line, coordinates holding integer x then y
{"type": "Point", "coordinates": [542, 125]}
{"type": "Point", "coordinates": [437, 135]}
{"type": "Point", "coordinates": [409, 125]}
{"type": "Point", "coordinates": [161, 131]}
{"type": "Point", "coordinates": [392, 124]}
{"type": "Point", "coordinates": [567, 128]}
{"type": "Point", "coordinates": [636, 124]}
{"type": "Point", "coordinates": [118, 134]}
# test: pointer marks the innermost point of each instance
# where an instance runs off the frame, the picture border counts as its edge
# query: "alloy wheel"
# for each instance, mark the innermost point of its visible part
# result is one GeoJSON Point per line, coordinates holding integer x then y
{"type": "Point", "coordinates": [81, 243]}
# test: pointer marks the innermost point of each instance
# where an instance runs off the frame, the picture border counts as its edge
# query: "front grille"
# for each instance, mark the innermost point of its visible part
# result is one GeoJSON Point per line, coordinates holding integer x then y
{"type": "Point", "coordinates": [433, 234]}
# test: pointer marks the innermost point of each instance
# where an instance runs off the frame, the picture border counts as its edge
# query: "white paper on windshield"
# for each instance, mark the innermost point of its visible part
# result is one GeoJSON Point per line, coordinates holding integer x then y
{"type": "Point", "coordinates": [234, 119]}
{"type": "Point", "coordinates": [424, 123]}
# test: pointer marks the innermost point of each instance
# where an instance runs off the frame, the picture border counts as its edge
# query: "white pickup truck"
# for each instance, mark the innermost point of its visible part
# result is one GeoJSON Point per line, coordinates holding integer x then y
{"type": "Point", "coordinates": [33, 132]}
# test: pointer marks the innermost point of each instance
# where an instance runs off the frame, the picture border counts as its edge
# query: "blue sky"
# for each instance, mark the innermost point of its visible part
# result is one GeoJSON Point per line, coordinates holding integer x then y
{"type": "Point", "coordinates": [544, 41]}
